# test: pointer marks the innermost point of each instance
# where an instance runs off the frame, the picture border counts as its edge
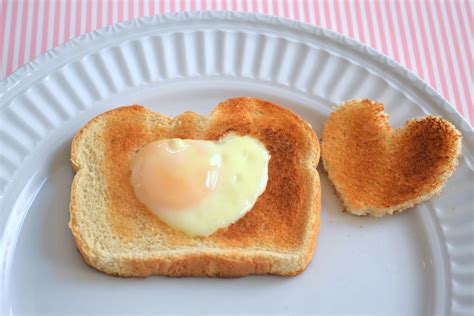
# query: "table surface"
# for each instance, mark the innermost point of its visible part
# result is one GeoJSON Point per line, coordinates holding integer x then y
{"type": "Point", "coordinates": [433, 39]}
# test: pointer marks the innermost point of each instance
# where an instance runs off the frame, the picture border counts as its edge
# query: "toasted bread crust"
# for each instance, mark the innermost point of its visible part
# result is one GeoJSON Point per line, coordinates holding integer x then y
{"type": "Point", "coordinates": [278, 236]}
{"type": "Point", "coordinates": [378, 170]}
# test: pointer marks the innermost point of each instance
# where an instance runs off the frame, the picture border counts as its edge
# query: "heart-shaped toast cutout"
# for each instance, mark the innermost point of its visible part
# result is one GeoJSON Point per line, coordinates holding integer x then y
{"type": "Point", "coordinates": [379, 170]}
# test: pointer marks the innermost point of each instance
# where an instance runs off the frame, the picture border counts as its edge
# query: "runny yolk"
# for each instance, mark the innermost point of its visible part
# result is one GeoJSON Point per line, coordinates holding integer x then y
{"type": "Point", "coordinates": [173, 175]}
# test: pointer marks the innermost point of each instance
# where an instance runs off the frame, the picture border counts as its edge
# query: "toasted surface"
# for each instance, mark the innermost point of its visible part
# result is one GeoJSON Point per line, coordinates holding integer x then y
{"type": "Point", "coordinates": [116, 234]}
{"type": "Point", "coordinates": [379, 170]}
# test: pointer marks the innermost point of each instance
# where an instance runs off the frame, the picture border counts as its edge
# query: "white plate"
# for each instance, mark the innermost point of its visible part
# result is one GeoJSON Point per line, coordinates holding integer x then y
{"type": "Point", "coordinates": [417, 262]}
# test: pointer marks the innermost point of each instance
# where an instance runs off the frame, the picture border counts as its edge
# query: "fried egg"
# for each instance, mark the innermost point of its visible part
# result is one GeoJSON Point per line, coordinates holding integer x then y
{"type": "Point", "coordinates": [200, 186]}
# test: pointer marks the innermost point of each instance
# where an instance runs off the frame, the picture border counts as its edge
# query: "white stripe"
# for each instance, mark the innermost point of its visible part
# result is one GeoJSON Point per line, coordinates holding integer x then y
{"type": "Point", "coordinates": [332, 14]}
{"type": "Point", "coordinates": [114, 12]}
{"type": "Point", "coordinates": [312, 18]}
{"type": "Point", "coordinates": [62, 22]}
{"type": "Point", "coordinates": [355, 25]}
{"type": "Point", "coordinates": [218, 4]}
{"type": "Point", "coordinates": [398, 39]}
{"type": "Point", "coordinates": [249, 6]}
{"type": "Point", "coordinates": [239, 6]}
{"type": "Point", "coordinates": [136, 10]}
{"type": "Point", "coordinates": [167, 6]}
{"type": "Point", "coordinates": [377, 27]}
{"type": "Point", "coordinates": [280, 8]}
{"type": "Point", "coordinates": [83, 16]}
{"type": "Point", "coordinates": [197, 5]}
{"type": "Point", "coordinates": [291, 10]}
{"type": "Point", "coordinates": [16, 42]}
{"type": "Point", "coordinates": [52, 12]}
{"type": "Point", "coordinates": [431, 53]}
{"type": "Point", "coordinates": [462, 44]}
{"type": "Point", "coordinates": [443, 55]}
{"type": "Point", "coordinates": [322, 16]}
{"type": "Point", "coordinates": [271, 10]}
{"type": "Point", "coordinates": [39, 35]}
{"type": "Point", "coordinates": [72, 22]}
{"type": "Point", "coordinates": [343, 13]}
{"type": "Point", "coordinates": [411, 53]}
{"type": "Point", "coordinates": [365, 26]}
{"type": "Point", "coordinates": [26, 57]}
{"type": "Point", "coordinates": [457, 69]}
{"type": "Point", "coordinates": [125, 10]}
{"type": "Point", "coordinates": [300, 8]}
{"type": "Point", "coordinates": [94, 6]}
{"type": "Point", "coordinates": [105, 13]}
{"type": "Point", "coordinates": [146, 9]}
{"type": "Point", "coordinates": [259, 6]}
{"type": "Point", "coordinates": [387, 30]}
{"type": "Point", "coordinates": [157, 7]}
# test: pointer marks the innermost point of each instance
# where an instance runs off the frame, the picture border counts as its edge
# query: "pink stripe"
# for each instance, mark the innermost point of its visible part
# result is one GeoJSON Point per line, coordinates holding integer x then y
{"type": "Point", "coordinates": [403, 36]}
{"type": "Point", "coordinates": [436, 44]}
{"type": "Point", "coordinates": [224, 5]}
{"type": "Point", "coordinates": [213, 5]}
{"type": "Point", "coordinates": [110, 12]}
{"type": "Point", "coordinates": [131, 13]}
{"type": "Point", "coordinates": [172, 6]}
{"type": "Point", "coordinates": [350, 25]}
{"type": "Point", "coordinates": [425, 44]}
{"type": "Point", "coordinates": [370, 25]}
{"type": "Point", "coordinates": [44, 44]}
{"type": "Point", "coordinates": [77, 31]}
{"type": "Point", "coordinates": [306, 11]}
{"type": "Point", "coordinates": [381, 32]}
{"type": "Point", "coordinates": [11, 40]}
{"type": "Point", "coordinates": [285, 9]}
{"type": "Point", "coordinates": [34, 30]}
{"type": "Point", "coordinates": [67, 21]}
{"type": "Point", "coordinates": [275, 8]}
{"type": "Point", "coordinates": [99, 14]}
{"type": "Point", "coordinates": [234, 5]}
{"type": "Point", "coordinates": [360, 26]}
{"type": "Point", "coordinates": [120, 11]}
{"type": "Point", "coordinates": [327, 15]}
{"type": "Point", "coordinates": [337, 12]}
{"type": "Point", "coordinates": [457, 50]}
{"type": "Point", "coordinates": [411, 25]}
{"type": "Point", "coordinates": [88, 16]}
{"type": "Point", "coordinates": [264, 6]}
{"type": "Point", "coordinates": [3, 21]}
{"type": "Point", "coordinates": [162, 7]}
{"type": "Point", "coordinates": [141, 8]}
{"type": "Point", "coordinates": [24, 21]}
{"type": "Point", "coordinates": [296, 10]}
{"type": "Point", "coordinates": [152, 6]}
{"type": "Point", "coordinates": [450, 65]}
{"type": "Point", "coordinates": [244, 5]}
{"type": "Point", "coordinates": [392, 31]}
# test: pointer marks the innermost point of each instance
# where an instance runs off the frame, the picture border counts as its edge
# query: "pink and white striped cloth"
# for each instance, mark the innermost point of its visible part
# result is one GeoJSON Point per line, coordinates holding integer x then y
{"type": "Point", "coordinates": [434, 39]}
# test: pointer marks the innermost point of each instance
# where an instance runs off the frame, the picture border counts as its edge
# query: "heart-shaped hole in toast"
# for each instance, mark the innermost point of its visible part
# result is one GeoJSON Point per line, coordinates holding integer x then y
{"type": "Point", "coordinates": [379, 170]}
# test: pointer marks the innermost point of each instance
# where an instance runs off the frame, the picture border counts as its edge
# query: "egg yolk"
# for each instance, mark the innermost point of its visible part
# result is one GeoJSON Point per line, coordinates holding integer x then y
{"type": "Point", "coordinates": [173, 174]}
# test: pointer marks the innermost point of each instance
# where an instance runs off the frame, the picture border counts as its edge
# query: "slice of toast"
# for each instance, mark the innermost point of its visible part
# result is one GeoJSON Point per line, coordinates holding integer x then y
{"type": "Point", "coordinates": [379, 170]}
{"type": "Point", "coordinates": [118, 235]}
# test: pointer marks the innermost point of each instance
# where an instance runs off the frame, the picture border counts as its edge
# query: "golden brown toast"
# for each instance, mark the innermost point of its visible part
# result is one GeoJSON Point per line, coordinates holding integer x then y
{"type": "Point", "coordinates": [118, 235]}
{"type": "Point", "coordinates": [379, 170]}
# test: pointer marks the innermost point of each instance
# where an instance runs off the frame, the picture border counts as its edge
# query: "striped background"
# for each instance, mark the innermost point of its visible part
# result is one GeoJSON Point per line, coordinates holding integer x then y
{"type": "Point", "coordinates": [434, 39]}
